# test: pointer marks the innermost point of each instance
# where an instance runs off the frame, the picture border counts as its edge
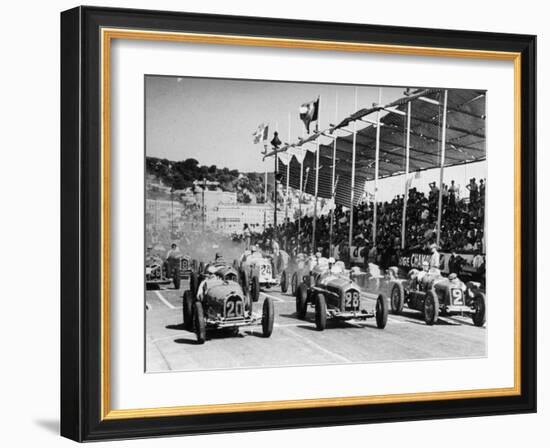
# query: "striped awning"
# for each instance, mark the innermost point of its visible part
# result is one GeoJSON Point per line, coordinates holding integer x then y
{"type": "Point", "coordinates": [465, 141]}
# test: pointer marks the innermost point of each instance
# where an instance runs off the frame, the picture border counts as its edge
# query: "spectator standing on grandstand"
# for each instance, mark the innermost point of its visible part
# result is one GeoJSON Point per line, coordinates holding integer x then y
{"type": "Point", "coordinates": [472, 186]}
{"type": "Point", "coordinates": [434, 258]}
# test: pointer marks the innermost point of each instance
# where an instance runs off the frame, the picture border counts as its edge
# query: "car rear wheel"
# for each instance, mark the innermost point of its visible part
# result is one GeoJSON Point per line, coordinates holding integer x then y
{"type": "Point", "coordinates": [381, 311]}
{"type": "Point", "coordinates": [320, 312]}
{"type": "Point", "coordinates": [397, 298]}
{"type": "Point", "coordinates": [268, 316]}
{"type": "Point", "coordinates": [284, 282]}
{"type": "Point", "coordinates": [431, 308]}
{"type": "Point", "coordinates": [478, 317]}
{"type": "Point", "coordinates": [255, 288]}
{"type": "Point", "coordinates": [301, 301]}
{"type": "Point", "coordinates": [188, 311]}
{"type": "Point", "coordinates": [198, 322]}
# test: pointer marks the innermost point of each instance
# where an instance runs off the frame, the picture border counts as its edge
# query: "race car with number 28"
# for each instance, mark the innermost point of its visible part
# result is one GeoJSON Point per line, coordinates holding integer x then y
{"type": "Point", "coordinates": [335, 296]}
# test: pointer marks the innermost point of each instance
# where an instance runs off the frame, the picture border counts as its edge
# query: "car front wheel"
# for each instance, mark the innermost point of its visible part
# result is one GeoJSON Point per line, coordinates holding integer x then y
{"type": "Point", "coordinates": [284, 282]}
{"type": "Point", "coordinates": [320, 312]}
{"type": "Point", "coordinates": [301, 301]}
{"type": "Point", "coordinates": [381, 311]}
{"type": "Point", "coordinates": [478, 317]}
{"type": "Point", "coordinates": [268, 316]}
{"type": "Point", "coordinates": [397, 294]}
{"type": "Point", "coordinates": [198, 322]}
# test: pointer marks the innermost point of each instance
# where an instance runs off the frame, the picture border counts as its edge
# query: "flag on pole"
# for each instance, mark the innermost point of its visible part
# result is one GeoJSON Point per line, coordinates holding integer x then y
{"type": "Point", "coordinates": [309, 112]}
{"type": "Point", "coordinates": [260, 135]}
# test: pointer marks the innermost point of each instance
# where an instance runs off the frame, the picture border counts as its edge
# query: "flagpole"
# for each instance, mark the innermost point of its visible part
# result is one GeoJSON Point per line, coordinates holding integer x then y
{"type": "Point", "coordinates": [300, 201]}
{"type": "Point", "coordinates": [265, 189]}
{"type": "Point", "coordinates": [376, 165]}
{"type": "Point", "coordinates": [406, 195]}
{"type": "Point", "coordinates": [443, 143]}
{"type": "Point", "coordinates": [287, 177]}
{"type": "Point", "coordinates": [313, 236]}
{"type": "Point", "coordinates": [276, 158]}
{"type": "Point", "coordinates": [333, 191]}
{"type": "Point", "coordinates": [350, 240]}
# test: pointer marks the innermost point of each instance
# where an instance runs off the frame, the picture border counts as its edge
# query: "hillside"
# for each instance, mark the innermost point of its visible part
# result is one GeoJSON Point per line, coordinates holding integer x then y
{"type": "Point", "coordinates": [182, 174]}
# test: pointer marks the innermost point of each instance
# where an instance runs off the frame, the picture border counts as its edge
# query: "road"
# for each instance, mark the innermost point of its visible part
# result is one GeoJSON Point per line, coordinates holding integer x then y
{"type": "Point", "coordinates": [297, 342]}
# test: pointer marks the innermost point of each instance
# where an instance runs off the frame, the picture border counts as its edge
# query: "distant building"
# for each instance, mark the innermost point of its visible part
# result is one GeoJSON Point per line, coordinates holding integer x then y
{"type": "Point", "coordinates": [230, 218]}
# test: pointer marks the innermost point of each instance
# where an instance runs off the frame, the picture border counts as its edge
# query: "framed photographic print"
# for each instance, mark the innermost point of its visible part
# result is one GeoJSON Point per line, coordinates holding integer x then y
{"type": "Point", "coordinates": [273, 223]}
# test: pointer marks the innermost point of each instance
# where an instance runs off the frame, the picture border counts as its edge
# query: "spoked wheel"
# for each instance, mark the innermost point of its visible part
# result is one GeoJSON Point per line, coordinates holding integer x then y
{"type": "Point", "coordinates": [320, 312]}
{"type": "Point", "coordinates": [198, 322]}
{"type": "Point", "coordinates": [431, 308]}
{"type": "Point", "coordinates": [396, 300]}
{"type": "Point", "coordinates": [479, 305]}
{"type": "Point", "coordinates": [301, 301]}
{"type": "Point", "coordinates": [381, 311]}
{"type": "Point", "coordinates": [268, 316]}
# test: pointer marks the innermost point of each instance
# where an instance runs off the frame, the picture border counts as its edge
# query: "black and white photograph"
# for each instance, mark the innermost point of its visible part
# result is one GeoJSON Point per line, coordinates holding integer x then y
{"type": "Point", "coordinates": [295, 224]}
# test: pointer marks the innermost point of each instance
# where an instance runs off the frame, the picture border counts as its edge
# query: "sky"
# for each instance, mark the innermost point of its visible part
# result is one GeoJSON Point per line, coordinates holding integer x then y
{"type": "Point", "coordinates": [212, 120]}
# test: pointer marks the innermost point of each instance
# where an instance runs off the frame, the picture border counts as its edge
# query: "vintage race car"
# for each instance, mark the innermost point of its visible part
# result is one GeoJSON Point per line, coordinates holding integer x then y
{"type": "Point", "coordinates": [334, 295]}
{"type": "Point", "coordinates": [256, 273]}
{"type": "Point", "coordinates": [222, 304]}
{"type": "Point", "coordinates": [220, 269]}
{"type": "Point", "coordinates": [155, 274]}
{"type": "Point", "coordinates": [435, 295]}
{"type": "Point", "coordinates": [187, 265]}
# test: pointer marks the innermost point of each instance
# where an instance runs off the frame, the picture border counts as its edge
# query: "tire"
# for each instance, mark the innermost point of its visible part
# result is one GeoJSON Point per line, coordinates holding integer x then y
{"type": "Point", "coordinates": [397, 298]}
{"type": "Point", "coordinates": [431, 308]}
{"type": "Point", "coordinates": [255, 288]}
{"type": "Point", "coordinates": [284, 282]}
{"type": "Point", "coordinates": [479, 303]}
{"type": "Point", "coordinates": [268, 316]}
{"type": "Point", "coordinates": [301, 301]}
{"type": "Point", "coordinates": [194, 283]}
{"type": "Point", "coordinates": [198, 322]}
{"type": "Point", "coordinates": [320, 312]}
{"type": "Point", "coordinates": [188, 311]}
{"type": "Point", "coordinates": [243, 280]}
{"type": "Point", "coordinates": [381, 311]}
{"type": "Point", "coordinates": [294, 283]}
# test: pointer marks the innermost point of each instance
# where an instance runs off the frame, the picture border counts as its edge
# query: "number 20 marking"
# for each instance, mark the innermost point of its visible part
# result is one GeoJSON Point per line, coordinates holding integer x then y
{"type": "Point", "coordinates": [234, 308]}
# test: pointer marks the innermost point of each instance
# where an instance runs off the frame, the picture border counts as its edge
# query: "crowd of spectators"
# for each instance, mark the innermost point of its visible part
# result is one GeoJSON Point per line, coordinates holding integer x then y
{"type": "Point", "coordinates": [462, 226]}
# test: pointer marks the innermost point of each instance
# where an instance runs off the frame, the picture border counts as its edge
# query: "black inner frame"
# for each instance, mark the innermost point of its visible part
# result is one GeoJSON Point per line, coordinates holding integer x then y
{"type": "Point", "coordinates": [81, 221]}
